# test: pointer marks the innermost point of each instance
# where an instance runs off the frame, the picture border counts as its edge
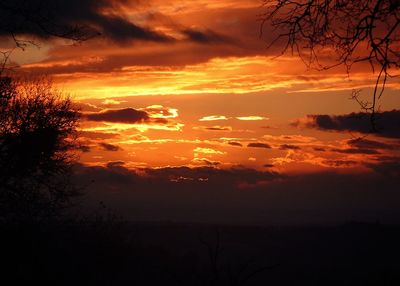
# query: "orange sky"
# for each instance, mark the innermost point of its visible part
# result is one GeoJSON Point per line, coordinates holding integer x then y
{"type": "Point", "coordinates": [214, 96]}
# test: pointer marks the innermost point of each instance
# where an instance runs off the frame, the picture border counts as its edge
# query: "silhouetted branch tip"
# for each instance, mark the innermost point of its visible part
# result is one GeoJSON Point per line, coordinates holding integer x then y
{"type": "Point", "coordinates": [348, 31]}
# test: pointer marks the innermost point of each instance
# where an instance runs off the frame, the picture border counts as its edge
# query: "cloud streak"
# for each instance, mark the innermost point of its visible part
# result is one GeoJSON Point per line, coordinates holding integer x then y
{"type": "Point", "coordinates": [205, 37]}
{"type": "Point", "coordinates": [125, 115]}
{"type": "Point", "coordinates": [234, 143]}
{"type": "Point", "coordinates": [109, 147]}
{"type": "Point", "coordinates": [252, 118]}
{"type": "Point", "coordinates": [387, 123]}
{"type": "Point", "coordinates": [42, 18]}
{"type": "Point", "coordinates": [259, 145]}
{"type": "Point", "coordinates": [213, 118]}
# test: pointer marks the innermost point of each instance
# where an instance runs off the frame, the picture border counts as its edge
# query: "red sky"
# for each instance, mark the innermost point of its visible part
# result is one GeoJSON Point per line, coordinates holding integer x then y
{"type": "Point", "coordinates": [208, 93]}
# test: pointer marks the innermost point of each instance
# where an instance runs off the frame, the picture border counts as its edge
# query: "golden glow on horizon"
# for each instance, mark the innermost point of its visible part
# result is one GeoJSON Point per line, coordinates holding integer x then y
{"type": "Point", "coordinates": [217, 76]}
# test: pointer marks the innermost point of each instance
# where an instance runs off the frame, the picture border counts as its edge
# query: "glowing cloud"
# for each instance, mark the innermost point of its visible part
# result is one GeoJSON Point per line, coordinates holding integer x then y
{"type": "Point", "coordinates": [252, 118]}
{"type": "Point", "coordinates": [213, 128]}
{"type": "Point", "coordinates": [159, 111]}
{"type": "Point", "coordinates": [213, 118]}
{"type": "Point", "coordinates": [208, 151]}
{"type": "Point", "coordinates": [111, 102]}
{"type": "Point", "coordinates": [205, 161]}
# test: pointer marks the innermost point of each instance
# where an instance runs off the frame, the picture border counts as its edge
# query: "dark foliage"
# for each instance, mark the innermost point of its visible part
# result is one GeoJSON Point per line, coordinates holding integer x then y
{"type": "Point", "coordinates": [37, 135]}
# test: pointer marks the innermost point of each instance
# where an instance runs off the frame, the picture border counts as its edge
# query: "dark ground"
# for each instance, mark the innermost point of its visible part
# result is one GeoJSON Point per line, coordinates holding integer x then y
{"type": "Point", "coordinates": [113, 253]}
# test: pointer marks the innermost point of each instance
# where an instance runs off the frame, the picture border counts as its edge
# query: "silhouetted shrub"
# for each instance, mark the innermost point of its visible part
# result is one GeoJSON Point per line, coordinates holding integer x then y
{"type": "Point", "coordinates": [37, 137]}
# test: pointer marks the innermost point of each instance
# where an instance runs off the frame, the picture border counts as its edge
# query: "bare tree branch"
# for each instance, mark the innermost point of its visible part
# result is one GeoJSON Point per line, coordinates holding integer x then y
{"type": "Point", "coordinates": [353, 31]}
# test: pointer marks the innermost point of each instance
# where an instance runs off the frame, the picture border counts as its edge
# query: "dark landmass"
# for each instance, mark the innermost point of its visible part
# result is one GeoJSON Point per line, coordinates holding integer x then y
{"type": "Point", "coordinates": [120, 253]}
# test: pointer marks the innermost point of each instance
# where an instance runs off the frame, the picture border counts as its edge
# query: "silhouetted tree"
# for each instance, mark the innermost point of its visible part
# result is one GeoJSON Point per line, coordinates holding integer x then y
{"type": "Point", "coordinates": [37, 136]}
{"type": "Point", "coordinates": [353, 30]}
{"type": "Point", "coordinates": [37, 122]}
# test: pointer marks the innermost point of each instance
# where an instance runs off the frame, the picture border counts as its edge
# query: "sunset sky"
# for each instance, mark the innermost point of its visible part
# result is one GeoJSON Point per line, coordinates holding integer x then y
{"type": "Point", "coordinates": [189, 94]}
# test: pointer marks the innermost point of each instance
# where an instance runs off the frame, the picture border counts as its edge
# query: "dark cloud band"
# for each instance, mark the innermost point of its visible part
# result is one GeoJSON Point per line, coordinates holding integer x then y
{"type": "Point", "coordinates": [126, 115]}
{"type": "Point", "coordinates": [78, 19]}
{"type": "Point", "coordinates": [259, 145]}
{"type": "Point", "coordinates": [386, 123]}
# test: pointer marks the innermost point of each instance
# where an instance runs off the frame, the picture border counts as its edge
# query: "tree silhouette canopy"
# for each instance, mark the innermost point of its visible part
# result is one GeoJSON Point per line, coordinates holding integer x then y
{"type": "Point", "coordinates": [37, 135]}
{"type": "Point", "coordinates": [353, 30]}
{"type": "Point", "coordinates": [37, 122]}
